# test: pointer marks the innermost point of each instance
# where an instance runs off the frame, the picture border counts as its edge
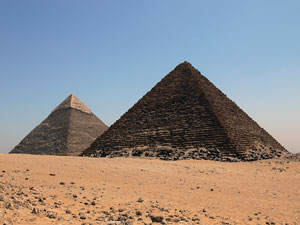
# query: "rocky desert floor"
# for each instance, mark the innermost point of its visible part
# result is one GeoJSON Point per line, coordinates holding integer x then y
{"type": "Point", "coordinates": [75, 190]}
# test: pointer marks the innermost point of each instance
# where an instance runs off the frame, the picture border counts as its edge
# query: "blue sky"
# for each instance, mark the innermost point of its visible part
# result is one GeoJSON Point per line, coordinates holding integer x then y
{"type": "Point", "coordinates": [110, 53]}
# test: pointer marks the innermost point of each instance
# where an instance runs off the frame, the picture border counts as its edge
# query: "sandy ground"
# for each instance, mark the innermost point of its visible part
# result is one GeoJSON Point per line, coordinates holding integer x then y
{"type": "Point", "coordinates": [74, 190]}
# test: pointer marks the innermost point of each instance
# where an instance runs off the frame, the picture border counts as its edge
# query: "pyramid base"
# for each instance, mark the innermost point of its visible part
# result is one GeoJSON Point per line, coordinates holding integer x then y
{"type": "Point", "coordinates": [258, 152]}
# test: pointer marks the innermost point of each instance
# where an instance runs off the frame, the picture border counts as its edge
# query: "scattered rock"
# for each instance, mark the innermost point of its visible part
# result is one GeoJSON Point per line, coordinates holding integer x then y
{"type": "Point", "coordinates": [156, 219]}
{"type": "Point", "coordinates": [140, 200]}
{"type": "Point", "coordinates": [7, 205]}
{"type": "Point", "coordinates": [68, 211]}
{"type": "Point", "coordinates": [82, 216]}
{"type": "Point", "coordinates": [7, 223]}
{"type": "Point", "coordinates": [51, 215]}
{"type": "Point", "coordinates": [35, 211]}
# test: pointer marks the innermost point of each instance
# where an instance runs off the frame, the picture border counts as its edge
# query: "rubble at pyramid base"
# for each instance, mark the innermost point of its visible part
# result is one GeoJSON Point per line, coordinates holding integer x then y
{"type": "Point", "coordinates": [259, 152]}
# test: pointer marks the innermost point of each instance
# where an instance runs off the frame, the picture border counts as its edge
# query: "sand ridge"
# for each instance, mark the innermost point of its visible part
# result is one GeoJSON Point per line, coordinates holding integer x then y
{"type": "Point", "coordinates": [77, 190]}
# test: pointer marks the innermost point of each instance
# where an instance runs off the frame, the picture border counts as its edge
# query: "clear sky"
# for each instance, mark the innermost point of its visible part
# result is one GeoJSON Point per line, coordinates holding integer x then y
{"type": "Point", "coordinates": [110, 53]}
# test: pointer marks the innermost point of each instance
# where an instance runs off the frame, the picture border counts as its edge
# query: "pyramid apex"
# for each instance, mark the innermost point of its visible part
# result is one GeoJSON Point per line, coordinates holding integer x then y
{"type": "Point", "coordinates": [185, 69]}
{"type": "Point", "coordinates": [186, 65]}
{"type": "Point", "coordinates": [73, 102]}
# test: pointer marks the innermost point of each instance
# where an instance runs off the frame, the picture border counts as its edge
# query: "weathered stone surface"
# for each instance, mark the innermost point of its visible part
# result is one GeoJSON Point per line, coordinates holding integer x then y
{"type": "Point", "coordinates": [73, 102]}
{"type": "Point", "coordinates": [68, 130]}
{"type": "Point", "coordinates": [185, 116]}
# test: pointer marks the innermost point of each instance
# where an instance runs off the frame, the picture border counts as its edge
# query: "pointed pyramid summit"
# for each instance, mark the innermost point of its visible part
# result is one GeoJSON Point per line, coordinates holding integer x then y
{"type": "Point", "coordinates": [68, 130]}
{"type": "Point", "coordinates": [73, 102]}
{"type": "Point", "coordinates": [185, 116]}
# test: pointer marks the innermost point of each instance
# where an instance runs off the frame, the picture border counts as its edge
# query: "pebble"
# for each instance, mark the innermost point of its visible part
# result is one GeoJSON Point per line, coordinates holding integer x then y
{"type": "Point", "coordinates": [7, 205]}
{"type": "Point", "coordinates": [35, 211]}
{"type": "Point", "coordinates": [140, 200]}
{"type": "Point", "coordinates": [156, 219]}
{"type": "Point", "coordinates": [51, 215]}
{"type": "Point", "coordinates": [7, 223]}
{"type": "Point", "coordinates": [68, 211]}
{"type": "Point", "coordinates": [82, 216]}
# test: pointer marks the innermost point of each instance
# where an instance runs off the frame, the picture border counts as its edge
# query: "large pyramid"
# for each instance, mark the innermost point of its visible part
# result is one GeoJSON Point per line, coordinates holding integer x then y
{"type": "Point", "coordinates": [68, 130]}
{"type": "Point", "coordinates": [185, 116]}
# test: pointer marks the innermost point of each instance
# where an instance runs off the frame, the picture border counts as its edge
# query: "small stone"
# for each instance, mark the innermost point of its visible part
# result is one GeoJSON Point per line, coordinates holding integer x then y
{"type": "Point", "coordinates": [93, 203]}
{"type": "Point", "coordinates": [52, 174]}
{"type": "Point", "coordinates": [82, 216]}
{"type": "Point", "coordinates": [51, 215]}
{"type": "Point", "coordinates": [68, 211]}
{"type": "Point", "coordinates": [62, 183]}
{"type": "Point", "coordinates": [106, 213]}
{"type": "Point", "coordinates": [138, 213]}
{"type": "Point", "coordinates": [128, 222]}
{"type": "Point", "coordinates": [7, 223]}
{"type": "Point", "coordinates": [35, 211]}
{"type": "Point", "coordinates": [7, 205]}
{"type": "Point", "coordinates": [140, 200]}
{"type": "Point", "coordinates": [156, 219]}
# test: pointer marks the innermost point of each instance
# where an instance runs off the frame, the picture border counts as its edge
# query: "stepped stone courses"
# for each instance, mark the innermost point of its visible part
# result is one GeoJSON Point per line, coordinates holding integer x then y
{"type": "Point", "coordinates": [68, 130]}
{"type": "Point", "coordinates": [186, 117]}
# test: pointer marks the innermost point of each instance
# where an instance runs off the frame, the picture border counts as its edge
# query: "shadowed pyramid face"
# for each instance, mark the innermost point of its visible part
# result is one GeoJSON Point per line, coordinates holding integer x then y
{"type": "Point", "coordinates": [185, 116]}
{"type": "Point", "coordinates": [68, 130]}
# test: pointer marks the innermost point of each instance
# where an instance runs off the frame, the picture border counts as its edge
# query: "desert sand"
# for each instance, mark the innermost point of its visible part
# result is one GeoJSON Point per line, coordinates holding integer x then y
{"type": "Point", "coordinates": [76, 190]}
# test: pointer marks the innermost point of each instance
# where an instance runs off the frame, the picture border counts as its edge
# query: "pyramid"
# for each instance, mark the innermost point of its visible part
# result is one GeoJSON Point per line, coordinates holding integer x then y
{"type": "Point", "coordinates": [186, 117]}
{"type": "Point", "coordinates": [68, 130]}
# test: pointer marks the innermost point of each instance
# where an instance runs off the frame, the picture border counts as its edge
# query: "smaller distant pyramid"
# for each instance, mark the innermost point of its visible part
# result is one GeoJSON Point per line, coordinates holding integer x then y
{"type": "Point", "coordinates": [68, 130]}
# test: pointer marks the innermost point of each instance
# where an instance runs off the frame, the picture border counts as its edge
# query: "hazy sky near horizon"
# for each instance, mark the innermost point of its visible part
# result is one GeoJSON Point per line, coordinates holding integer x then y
{"type": "Point", "coordinates": [110, 53]}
